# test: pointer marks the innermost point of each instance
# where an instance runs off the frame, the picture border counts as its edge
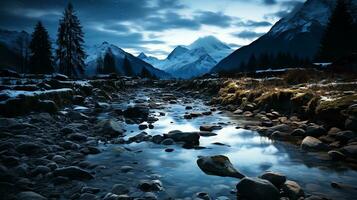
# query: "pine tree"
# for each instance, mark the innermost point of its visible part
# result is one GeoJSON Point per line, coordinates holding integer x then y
{"type": "Point", "coordinates": [23, 43]}
{"type": "Point", "coordinates": [70, 53]}
{"type": "Point", "coordinates": [252, 64]}
{"type": "Point", "coordinates": [338, 39]}
{"type": "Point", "coordinates": [128, 70]}
{"type": "Point", "coordinates": [109, 63]}
{"type": "Point", "coordinates": [41, 56]}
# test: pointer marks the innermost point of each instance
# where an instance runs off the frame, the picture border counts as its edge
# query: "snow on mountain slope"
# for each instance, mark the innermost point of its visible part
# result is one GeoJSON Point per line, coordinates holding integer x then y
{"type": "Point", "coordinates": [193, 60]}
{"type": "Point", "coordinates": [299, 34]}
{"type": "Point", "coordinates": [99, 51]}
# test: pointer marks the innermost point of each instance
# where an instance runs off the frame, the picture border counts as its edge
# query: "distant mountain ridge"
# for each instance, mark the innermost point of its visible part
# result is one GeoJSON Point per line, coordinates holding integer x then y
{"type": "Point", "coordinates": [137, 65]}
{"type": "Point", "coordinates": [299, 34]}
{"type": "Point", "coordinates": [193, 60]}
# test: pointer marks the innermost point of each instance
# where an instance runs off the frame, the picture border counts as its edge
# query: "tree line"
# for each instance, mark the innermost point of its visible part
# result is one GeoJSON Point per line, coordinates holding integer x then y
{"type": "Point", "coordinates": [338, 41]}
{"type": "Point", "coordinates": [69, 54]}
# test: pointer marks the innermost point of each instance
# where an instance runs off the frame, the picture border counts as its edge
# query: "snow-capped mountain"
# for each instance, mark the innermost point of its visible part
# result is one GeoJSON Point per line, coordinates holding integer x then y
{"type": "Point", "coordinates": [299, 34]}
{"type": "Point", "coordinates": [12, 45]}
{"type": "Point", "coordinates": [148, 59]}
{"type": "Point", "coordinates": [193, 60]}
{"type": "Point", "coordinates": [136, 64]}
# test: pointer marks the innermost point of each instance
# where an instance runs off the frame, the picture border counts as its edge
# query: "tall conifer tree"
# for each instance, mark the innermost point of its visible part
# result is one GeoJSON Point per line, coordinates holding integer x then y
{"type": "Point", "coordinates": [41, 61]}
{"type": "Point", "coordinates": [70, 53]}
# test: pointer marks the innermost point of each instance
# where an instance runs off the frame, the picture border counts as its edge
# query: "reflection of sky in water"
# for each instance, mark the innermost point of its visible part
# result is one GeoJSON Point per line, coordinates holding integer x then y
{"type": "Point", "coordinates": [249, 152]}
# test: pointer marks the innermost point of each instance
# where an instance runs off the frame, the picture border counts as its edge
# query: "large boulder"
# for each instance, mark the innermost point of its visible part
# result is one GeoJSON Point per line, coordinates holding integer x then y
{"type": "Point", "coordinates": [190, 139]}
{"type": "Point", "coordinates": [139, 112]}
{"type": "Point", "coordinates": [275, 178]}
{"type": "Point", "coordinates": [218, 165]}
{"type": "Point", "coordinates": [292, 190]}
{"type": "Point", "coordinates": [73, 172]}
{"type": "Point", "coordinates": [29, 195]}
{"type": "Point", "coordinates": [257, 189]}
{"type": "Point", "coordinates": [350, 151]}
{"type": "Point", "coordinates": [313, 144]}
{"type": "Point", "coordinates": [109, 128]}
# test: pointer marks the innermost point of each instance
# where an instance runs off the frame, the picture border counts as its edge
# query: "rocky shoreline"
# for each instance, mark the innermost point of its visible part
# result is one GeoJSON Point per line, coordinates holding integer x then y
{"type": "Point", "coordinates": [49, 125]}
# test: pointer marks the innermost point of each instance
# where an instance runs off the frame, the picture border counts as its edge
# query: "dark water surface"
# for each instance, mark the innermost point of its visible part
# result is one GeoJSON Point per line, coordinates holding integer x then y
{"type": "Point", "coordinates": [249, 152]}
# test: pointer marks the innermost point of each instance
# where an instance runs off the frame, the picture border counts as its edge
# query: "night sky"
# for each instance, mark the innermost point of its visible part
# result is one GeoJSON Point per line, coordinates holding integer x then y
{"type": "Point", "coordinates": [152, 26]}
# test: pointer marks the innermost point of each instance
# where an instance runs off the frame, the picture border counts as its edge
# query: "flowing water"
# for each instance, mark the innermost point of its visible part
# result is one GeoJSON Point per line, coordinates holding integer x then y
{"type": "Point", "coordinates": [249, 152]}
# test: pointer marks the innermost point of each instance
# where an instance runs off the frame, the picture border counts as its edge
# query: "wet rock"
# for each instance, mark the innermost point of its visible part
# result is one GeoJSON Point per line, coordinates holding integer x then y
{"type": "Point", "coordinates": [278, 135]}
{"type": "Point", "coordinates": [187, 116]}
{"type": "Point", "coordinates": [248, 114]}
{"type": "Point", "coordinates": [78, 99]}
{"type": "Point", "coordinates": [195, 114]}
{"type": "Point", "coordinates": [190, 139]}
{"type": "Point", "coordinates": [169, 150]}
{"type": "Point", "coordinates": [40, 170]}
{"type": "Point", "coordinates": [275, 178]}
{"type": "Point", "coordinates": [77, 137]}
{"type": "Point", "coordinates": [102, 105]}
{"type": "Point", "coordinates": [120, 189]}
{"type": "Point", "coordinates": [346, 135]}
{"type": "Point", "coordinates": [207, 113]}
{"type": "Point", "coordinates": [281, 127]}
{"type": "Point", "coordinates": [218, 165]}
{"type": "Point", "coordinates": [126, 169]}
{"type": "Point", "coordinates": [157, 139]}
{"type": "Point", "coordinates": [137, 112]}
{"type": "Point", "coordinates": [109, 128]}
{"type": "Point", "coordinates": [143, 136]}
{"type": "Point", "coordinates": [298, 132]}
{"type": "Point", "coordinates": [150, 185]}
{"type": "Point", "coordinates": [188, 107]}
{"type": "Point", "coordinates": [350, 151]}
{"type": "Point", "coordinates": [351, 123]}
{"type": "Point", "coordinates": [168, 141]}
{"type": "Point", "coordinates": [209, 127]}
{"type": "Point", "coordinates": [315, 130]}
{"type": "Point", "coordinates": [313, 144]}
{"type": "Point", "coordinates": [206, 133]}
{"type": "Point", "coordinates": [73, 172]}
{"type": "Point", "coordinates": [203, 195]}
{"type": "Point", "coordinates": [143, 126]}
{"type": "Point", "coordinates": [257, 189]}
{"type": "Point", "coordinates": [336, 155]}
{"type": "Point", "coordinates": [292, 190]}
{"type": "Point", "coordinates": [238, 112]}
{"type": "Point", "coordinates": [313, 197]}
{"type": "Point", "coordinates": [29, 195]}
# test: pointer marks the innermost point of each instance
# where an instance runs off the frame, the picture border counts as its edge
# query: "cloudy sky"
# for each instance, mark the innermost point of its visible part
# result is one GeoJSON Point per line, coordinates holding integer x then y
{"type": "Point", "coordinates": [152, 26]}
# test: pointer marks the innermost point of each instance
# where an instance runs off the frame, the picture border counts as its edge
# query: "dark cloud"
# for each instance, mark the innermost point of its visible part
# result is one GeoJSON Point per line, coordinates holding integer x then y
{"type": "Point", "coordinates": [169, 20]}
{"type": "Point", "coordinates": [213, 18]}
{"type": "Point", "coordinates": [247, 34]}
{"type": "Point", "coordinates": [252, 23]}
{"type": "Point", "coordinates": [270, 2]}
{"type": "Point", "coordinates": [234, 46]}
{"type": "Point", "coordinates": [286, 8]}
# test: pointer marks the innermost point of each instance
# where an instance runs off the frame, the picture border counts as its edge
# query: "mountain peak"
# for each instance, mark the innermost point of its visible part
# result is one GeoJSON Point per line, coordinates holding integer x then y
{"type": "Point", "coordinates": [142, 55]}
{"type": "Point", "coordinates": [179, 50]}
{"type": "Point", "coordinates": [209, 43]}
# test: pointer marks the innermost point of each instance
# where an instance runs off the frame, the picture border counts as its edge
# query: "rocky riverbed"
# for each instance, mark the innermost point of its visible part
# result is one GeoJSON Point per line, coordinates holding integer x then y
{"type": "Point", "coordinates": [123, 138]}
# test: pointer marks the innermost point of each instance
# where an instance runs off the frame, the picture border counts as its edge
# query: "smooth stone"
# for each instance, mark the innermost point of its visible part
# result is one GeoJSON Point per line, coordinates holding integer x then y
{"type": "Point", "coordinates": [257, 189]}
{"type": "Point", "coordinates": [150, 185]}
{"type": "Point", "coordinates": [126, 169]}
{"type": "Point", "coordinates": [119, 189]}
{"type": "Point", "coordinates": [315, 130]}
{"type": "Point", "coordinates": [29, 195]}
{"type": "Point", "coordinates": [73, 172]}
{"type": "Point", "coordinates": [168, 141]}
{"type": "Point", "coordinates": [293, 190]}
{"type": "Point", "coordinates": [336, 155]}
{"type": "Point", "coordinates": [210, 127]}
{"type": "Point", "coordinates": [218, 165]}
{"type": "Point", "coordinates": [275, 178]}
{"type": "Point", "coordinates": [313, 144]}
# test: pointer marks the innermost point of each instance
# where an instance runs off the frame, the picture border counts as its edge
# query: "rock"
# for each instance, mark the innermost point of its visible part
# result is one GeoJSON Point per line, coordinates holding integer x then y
{"type": "Point", "coordinates": [168, 141]}
{"type": "Point", "coordinates": [157, 139]}
{"type": "Point", "coordinates": [278, 135]}
{"type": "Point", "coordinates": [315, 130]}
{"type": "Point", "coordinates": [109, 128]}
{"type": "Point", "coordinates": [345, 135]}
{"type": "Point", "coordinates": [203, 195]}
{"type": "Point", "coordinates": [77, 137]}
{"type": "Point", "coordinates": [143, 126]}
{"type": "Point", "coordinates": [47, 106]}
{"type": "Point", "coordinates": [313, 197]}
{"type": "Point", "coordinates": [150, 185]}
{"type": "Point", "coordinates": [248, 114]}
{"type": "Point", "coordinates": [257, 189]}
{"type": "Point", "coordinates": [195, 114]}
{"type": "Point", "coordinates": [169, 150]}
{"type": "Point", "coordinates": [29, 148]}
{"type": "Point", "coordinates": [88, 196]}
{"type": "Point", "coordinates": [102, 105]}
{"type": "Point", "coordinates": [350, 151]}
{"type": "Point", "coordinates": [73, 172]}
{"type": "Point", "coordinates": [207, 113]}
{"type": "Point", "coordinates": [190, 139]}
{"type": "Point", "coordinates": [137, 112]}
{"type": "Point", "coordinates": [209, 127]}
{"type": "Point", "coordinates": [238, 112]}
{"type": "Point", "coordinates": [275, 178]}
{"type": "Point", "coordinates": [218, 165]}
{"type": "Point", "coordinates": [29, 195]}
{"type": "Point", "coordinates": [293, 190]}
{"type": "Point", "coordinates": [281, 127]}
{"type": "Point", "coordinates": [351, 123]}
{"type": "Point", "coordinates": [90, 190]}
{"type": "Point", "coordinates": [206, 133]}
{"type": "Point", "coordinates": [143, 136]}
{"type": "Point", "coordinates": [60, 77]}
{"type": "Point", "coordinates": [313, 144]}
{"type": "Point", "coordinates": [78, 99]}
{"type": "Point", "coordinates": [336, 155]}
{"type": "Point", "coordinates": [298, 132]}
{"type": "Point", "coordinates": [188, 107]}
{"type": "Point", "coordinates": [187, 116]}
{"type": "Point", "coordinates": [126, 169]}
{"type": "Point", "coordinates": [40, 170]}
{"type": "Point", "coordinates": [120, 189]}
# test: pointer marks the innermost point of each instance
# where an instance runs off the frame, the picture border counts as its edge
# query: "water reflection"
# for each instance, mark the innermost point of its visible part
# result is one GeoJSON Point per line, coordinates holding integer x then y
{"type": "Point", "coordinates": [248, 151]}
